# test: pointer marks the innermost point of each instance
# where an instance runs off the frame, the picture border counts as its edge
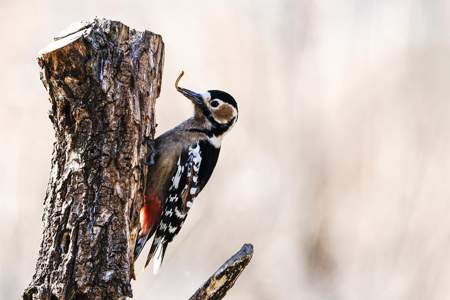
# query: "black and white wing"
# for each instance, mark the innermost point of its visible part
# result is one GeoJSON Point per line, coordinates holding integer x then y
{"type": "Point", "coordinates": [193, 170]}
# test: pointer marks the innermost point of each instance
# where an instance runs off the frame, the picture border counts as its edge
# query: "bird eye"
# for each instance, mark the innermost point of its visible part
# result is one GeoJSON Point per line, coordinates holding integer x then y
{"type": "Point", "coordinates": [214, 103]}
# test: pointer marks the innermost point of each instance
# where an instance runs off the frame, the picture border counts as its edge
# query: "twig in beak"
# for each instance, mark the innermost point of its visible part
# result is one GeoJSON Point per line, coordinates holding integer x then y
{"type": "Point", "coordinates": [178, 79]}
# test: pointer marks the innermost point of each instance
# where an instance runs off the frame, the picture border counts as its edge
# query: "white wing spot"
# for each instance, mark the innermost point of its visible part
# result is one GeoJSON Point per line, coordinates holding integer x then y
{"type": "Point", "coordinates": [179, 214]}
{"type": "Point", "coordinates": [194, 152]}
{"type": "Point", "coordinates": [177, 177]}
{"type": "Point", "coordinates": [163, 226]}
{"type": "Point", "coordinates": [172, 229]}
{"type": "Point", "coordinates": [173, 198]}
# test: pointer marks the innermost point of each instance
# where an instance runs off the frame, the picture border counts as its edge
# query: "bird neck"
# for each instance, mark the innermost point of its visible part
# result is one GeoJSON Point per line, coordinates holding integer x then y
{"type": "Point", "coordinates": [203, 126]}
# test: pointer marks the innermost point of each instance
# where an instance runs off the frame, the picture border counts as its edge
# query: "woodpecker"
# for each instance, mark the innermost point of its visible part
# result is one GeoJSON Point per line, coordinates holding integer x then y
{"type": "Point", "coordinates": [181, 163]}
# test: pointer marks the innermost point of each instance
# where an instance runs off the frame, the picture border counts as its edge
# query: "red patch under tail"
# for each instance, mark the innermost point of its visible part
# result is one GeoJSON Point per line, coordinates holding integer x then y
{"type": "Point", "coordinates": [148, 217]}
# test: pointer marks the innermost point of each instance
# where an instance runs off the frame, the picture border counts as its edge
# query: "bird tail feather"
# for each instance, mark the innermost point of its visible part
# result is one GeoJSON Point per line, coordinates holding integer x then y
{"type": "Point", "coordinates": [157, 250]}
{"type": "Point", "coordinates": [140, 243]}
{"type": "Point", "coordinates": [159, 255]}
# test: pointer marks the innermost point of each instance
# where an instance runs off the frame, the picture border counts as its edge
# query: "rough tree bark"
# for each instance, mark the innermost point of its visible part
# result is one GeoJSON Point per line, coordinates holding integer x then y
{"type": "Point", "coordinates": [103, 79]}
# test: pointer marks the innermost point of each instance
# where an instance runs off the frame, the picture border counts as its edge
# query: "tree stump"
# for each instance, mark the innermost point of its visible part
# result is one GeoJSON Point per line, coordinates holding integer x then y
{"type": "Point", "coordinates": [103, 79]}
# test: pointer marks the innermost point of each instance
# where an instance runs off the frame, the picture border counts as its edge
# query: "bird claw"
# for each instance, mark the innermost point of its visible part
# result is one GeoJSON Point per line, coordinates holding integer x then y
{"type": "Point", "coordinates": [151, 145]}
{"type": "Point", "coordinates": [150, 159]}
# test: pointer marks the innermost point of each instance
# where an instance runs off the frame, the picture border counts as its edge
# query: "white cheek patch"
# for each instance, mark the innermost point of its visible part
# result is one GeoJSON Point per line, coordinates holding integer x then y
{"type": "Point", "coordinates": [235, 113]}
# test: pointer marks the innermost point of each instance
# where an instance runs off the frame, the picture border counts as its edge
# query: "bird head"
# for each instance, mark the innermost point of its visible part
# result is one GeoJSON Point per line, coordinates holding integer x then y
{"type": "Point", "coordinates": [216, 107]}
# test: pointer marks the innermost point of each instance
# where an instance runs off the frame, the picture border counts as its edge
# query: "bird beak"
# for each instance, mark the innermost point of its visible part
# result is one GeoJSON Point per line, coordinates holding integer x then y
{"type": "Point", "coordinates": [196, 98]}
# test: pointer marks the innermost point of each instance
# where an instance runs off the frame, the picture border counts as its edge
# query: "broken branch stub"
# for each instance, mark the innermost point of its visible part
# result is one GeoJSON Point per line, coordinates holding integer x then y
{"type": "Point", "coordinates": [103, 79]}
{"type": "Point", "coordinates": [224, 278]}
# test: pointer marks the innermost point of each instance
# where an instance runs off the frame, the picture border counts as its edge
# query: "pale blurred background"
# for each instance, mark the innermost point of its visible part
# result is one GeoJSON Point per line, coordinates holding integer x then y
{"type": "Point", "coordinates": [337, 171]}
